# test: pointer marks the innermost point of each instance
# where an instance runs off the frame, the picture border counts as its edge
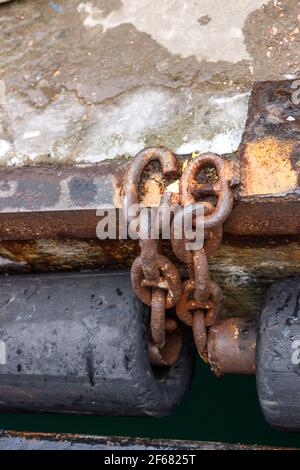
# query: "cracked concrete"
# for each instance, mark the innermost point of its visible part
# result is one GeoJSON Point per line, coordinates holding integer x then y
{"type": "Point", "coordinates": [85, 81]}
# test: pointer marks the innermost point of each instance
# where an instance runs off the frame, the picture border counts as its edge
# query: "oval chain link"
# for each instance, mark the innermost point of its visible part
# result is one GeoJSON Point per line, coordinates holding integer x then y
{"type": "Point", "coordinates": [155, 279]}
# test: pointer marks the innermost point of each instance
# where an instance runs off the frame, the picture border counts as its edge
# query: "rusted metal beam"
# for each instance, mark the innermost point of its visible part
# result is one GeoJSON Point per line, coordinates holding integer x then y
{"type": "Point", "coordinates": [243, 266]}
{"type": "Point", "coordinates": [57, 202]}
{"type": "Point", "coordinates": [10, 440]}
{"type": "Point", "coordinates": [61, 201]}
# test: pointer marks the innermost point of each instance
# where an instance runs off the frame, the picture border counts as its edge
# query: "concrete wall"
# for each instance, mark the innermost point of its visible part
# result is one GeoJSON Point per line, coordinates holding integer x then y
{"type": "Point", "coordinates": [82, 81]}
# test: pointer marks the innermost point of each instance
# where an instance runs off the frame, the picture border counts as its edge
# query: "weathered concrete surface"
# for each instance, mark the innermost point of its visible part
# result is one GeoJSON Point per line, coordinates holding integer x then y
{"type": "Point", "coordinates": [84, 81]}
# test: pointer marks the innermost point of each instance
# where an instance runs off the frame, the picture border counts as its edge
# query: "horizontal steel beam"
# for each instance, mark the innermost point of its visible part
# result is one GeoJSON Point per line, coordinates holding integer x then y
{"type": "Point", "coordinates": [46, 441]}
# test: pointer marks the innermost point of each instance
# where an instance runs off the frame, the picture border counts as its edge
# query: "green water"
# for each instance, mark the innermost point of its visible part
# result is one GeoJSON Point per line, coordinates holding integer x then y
{"type": "Point", "coordinates": [224, 409]}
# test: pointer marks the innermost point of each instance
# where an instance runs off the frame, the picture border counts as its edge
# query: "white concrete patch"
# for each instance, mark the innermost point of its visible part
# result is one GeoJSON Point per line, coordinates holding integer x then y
{"type": "Point", "coordinates": [290, 76]}
{"type": "Point", "coordinates": [94, 14]}
{"type": "Point", "coordinates": [221, 143]}
{"type": "Point", "coordinates": [40, 132]}
{"type": "Point", "coordinates": [15, 161]}
{"type": "Point", "coordinates": [176, 25]}
{"type": "Point", "coordinates": [65, 130]}
{"type": "Point", "coordinates": [183, 120]}
{"type": "Point", "coordinates": [121, 128]}
{"type": "Point", "coordinates": [224, 126]}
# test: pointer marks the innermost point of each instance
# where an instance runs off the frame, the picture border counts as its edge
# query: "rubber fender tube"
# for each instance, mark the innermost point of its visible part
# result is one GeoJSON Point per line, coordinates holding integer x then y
{"type": "Point", "coordinates": [77, 343]}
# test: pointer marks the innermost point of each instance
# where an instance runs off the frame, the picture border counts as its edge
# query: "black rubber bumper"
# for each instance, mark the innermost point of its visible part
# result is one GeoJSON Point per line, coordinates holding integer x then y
{"type": "Point", "coordinates": [278, 356]}
{"type": "Point", "coordinates": [78, 343]}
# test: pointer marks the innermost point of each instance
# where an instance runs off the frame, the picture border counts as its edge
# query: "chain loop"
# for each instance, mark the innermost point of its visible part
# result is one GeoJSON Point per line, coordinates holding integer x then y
{"type": "Point", "coordinates": [222, 189]}
{"type": "Point", "coordinates": [169, 280]}
{"type": "Point", "coordinates": [201, 298]}
{"type": "Point", "coordinates": [155, 280]}
{"type": "Point", "coordinates": [169, 354]}
{"type": "Point", "coordinates": [212, 238]}
{"type": "Point", "coordinates": [132, 179]}
{"type": "Point", "coordinates": [187, 303]}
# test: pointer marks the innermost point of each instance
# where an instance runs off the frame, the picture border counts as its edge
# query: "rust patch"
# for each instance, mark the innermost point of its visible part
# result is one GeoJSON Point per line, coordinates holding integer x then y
{"type": "Point", "coordinates": [268, 168]}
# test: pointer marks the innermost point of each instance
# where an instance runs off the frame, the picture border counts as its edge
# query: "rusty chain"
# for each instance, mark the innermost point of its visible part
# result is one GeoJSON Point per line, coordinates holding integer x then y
{"type": "Point", "coordinates": [201, 300]}
{"type": "Point", "coordinates": [155, 279]}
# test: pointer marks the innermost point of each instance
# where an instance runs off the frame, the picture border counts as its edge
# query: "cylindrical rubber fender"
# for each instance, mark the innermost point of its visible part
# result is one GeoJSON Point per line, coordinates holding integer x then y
{"type": "Point", "coordinates": [77, 342]}
{"type": "Point", "coordinates": [278, 356]}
